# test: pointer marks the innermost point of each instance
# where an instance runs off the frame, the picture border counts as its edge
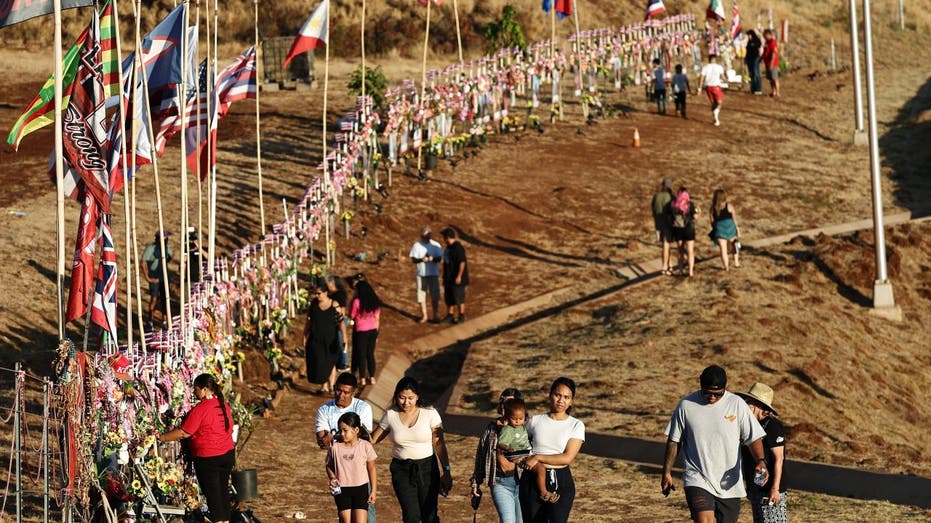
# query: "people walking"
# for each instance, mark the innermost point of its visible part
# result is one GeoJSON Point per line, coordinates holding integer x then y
{"type": "Point", "coordinates": [493, 470]}
{"type": "Point", "coordinates": [427, 253]}
{"type": "Point", "coordinates": [683, 212]}
{"type": "Point", "coordinates": [724, 229]}
{"type": "Point", "coordinates": [455, 276]}
{"type": "Point", "coordinates": [713, 80]}
{"type": "Point", "coordinates": [768, 500]}
{"type": "Point", "coordinates": [365, 312]}
{"type": "Point", "coordinates": [662, 219]}
{"type": "Point", "coordinates": [708, 428]}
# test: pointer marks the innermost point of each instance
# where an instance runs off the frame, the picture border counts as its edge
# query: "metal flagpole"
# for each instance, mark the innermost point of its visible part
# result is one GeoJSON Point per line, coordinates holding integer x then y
{"type": "Point", "coordinates": [882, 288]}
{"type": "Point", "coordinates": [59, 173]}
{"type": "Point", "coordinates": [859, 134]}
{"type": "Point", "coordinates": [258, 121]}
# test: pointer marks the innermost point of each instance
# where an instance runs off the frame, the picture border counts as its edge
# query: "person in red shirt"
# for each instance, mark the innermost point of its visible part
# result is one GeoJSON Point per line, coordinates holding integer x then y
{"type": "Point", "coordinates": [209, 429]}
{"type": "Point", "coordinates": [771, 61]}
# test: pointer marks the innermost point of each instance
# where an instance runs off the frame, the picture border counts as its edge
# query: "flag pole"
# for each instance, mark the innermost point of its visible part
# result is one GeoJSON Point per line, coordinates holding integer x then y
{"type": "Point", "coordinates": [258, 119]}
{"type": "Point", "coordinates": [137, 61]}
{"type": "Point", "coordinates": [458, 33]}
{"type": "Point", "coordinates": [423, 84]}
{"type": "Point", "coordinates": [158, 189]}
{"type": "Point", "coordinates": [183, 244]}
{"type": "Point", "coordinates": [326, 167]}
{"type": "Point", "coordinates": [554, 100]}
{"type": "Point", "coordinates": [123, 172]}
{"type": "Point", "coordinates": [197, 165]}
{"type": "Point", "coordinates": [578, 43]}
{"type": "Point", "coordinates": [365, 171]}
{"type": "Point", "coordinates": [212, 205]}
{"type": "Point", "coordinates": [59, 172]}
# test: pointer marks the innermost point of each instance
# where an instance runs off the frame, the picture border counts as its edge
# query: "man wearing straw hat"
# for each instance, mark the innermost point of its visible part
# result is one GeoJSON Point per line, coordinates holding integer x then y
{"type": "Point", "coordinates": [708, 428]}
{"type": "Point", "coordinates": [768, 500]}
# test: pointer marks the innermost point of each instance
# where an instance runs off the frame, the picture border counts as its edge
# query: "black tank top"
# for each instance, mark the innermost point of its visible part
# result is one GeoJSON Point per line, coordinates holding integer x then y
{"type": "Point", "coordinates": [725, 214]}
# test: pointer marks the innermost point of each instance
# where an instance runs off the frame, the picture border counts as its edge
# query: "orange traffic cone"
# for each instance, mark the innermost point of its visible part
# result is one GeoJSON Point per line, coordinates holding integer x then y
{"type": "Point", "coordinates": [636, 137]}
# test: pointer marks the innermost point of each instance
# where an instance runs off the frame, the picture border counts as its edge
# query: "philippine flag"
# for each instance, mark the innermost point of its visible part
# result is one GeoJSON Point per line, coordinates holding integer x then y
{"type": "Point", "coordinates": [313, 34]}
{"type": "Point", "coordinates": [654, 7]}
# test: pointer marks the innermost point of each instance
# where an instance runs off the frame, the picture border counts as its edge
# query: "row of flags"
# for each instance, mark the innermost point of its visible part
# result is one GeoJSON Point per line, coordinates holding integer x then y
{"type": "Point", "coordinates": [94, 79]}
{"type": "Point", "coordinates": [714, 11]}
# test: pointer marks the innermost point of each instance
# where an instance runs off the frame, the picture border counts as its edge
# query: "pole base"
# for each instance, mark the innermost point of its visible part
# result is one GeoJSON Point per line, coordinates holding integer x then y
{"type": "Point", "coordinates": [884, 301]}
{"type": "Point", "coordinates": [860, 137]}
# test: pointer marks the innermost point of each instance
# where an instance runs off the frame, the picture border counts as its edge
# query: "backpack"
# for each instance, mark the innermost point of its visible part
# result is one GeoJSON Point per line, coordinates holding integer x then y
{"type": "Point", "coordinates": [679, 220]}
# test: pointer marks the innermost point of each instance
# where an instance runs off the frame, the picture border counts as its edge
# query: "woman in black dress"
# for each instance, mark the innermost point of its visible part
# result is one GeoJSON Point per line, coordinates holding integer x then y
{"type": "Point", "coordinates": [321, 338]}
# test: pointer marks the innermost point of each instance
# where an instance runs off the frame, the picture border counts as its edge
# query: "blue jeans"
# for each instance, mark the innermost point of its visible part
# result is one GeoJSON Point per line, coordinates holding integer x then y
{"type": "Point", "coordinates": [753, 69]}
{"type": "Point", "coordinates": [507, 503]}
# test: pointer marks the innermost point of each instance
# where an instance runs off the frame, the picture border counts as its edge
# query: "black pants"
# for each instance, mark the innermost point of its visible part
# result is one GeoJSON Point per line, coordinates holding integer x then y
{"type": "Point", "coordinates": [680, 103]}
{"type": "Point", "coordinates": [416, 485]}
{"type": "Point", "coordinates": [213, 476]}
{"type": "Point", "coordinates": [535, 510]}
{"type": "Point", "coordinates": [363, 352]}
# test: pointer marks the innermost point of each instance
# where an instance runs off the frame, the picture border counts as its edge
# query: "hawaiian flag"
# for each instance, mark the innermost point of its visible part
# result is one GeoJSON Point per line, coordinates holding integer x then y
{"type": "Point", "coordinates": [715, 10]}
{"type": "Point", "coordinates": [82, 273]}
{"type": "Point", "coordinates": [563, 7]}
{"type": "Point", "coordinates": [84, 122]}
{"type": "Point", "coordinates": [40, 111]}
{"type": "Point", "coordinates": [654, 7]}
{"type": "Point", "coordinates": [103, 312]}
{"type": "Point", "coordinates": [237, 82]}
{"type": "Point", "coordinates": [313, 33]}
{"type": "Point", "coordinates": [736, 28]}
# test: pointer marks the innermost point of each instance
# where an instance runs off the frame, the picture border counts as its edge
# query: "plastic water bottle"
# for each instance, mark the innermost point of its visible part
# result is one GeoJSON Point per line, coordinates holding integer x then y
{"type": "Point", "coordinates": [335, 488]}
{"type": "Point", "coordinates": [737, 246]}
{"type": "Point", "coordinates": [760, 477]}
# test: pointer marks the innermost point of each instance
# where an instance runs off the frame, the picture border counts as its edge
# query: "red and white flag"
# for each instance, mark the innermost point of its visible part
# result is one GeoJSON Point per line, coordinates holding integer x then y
{"type": "Point", "coordinates": [313, 34]}
{"type": "Point", "coordinates": [103, 312]}
{"type": "Point", "coordinates": [82, 269]}
{"type": "Point", "coordinates": [736, 27]}
{"type": "Point", "coordinates": [654, 7]}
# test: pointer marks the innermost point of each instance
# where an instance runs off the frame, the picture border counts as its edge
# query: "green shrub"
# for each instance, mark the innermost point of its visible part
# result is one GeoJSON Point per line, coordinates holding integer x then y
{"type": "Point", "coordinates": [375, 84]}
{"type": "Point", "coordinates": [505, 32]}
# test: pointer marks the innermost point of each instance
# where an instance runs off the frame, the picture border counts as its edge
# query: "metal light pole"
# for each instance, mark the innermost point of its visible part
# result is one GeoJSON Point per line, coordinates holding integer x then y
{"type": "Point", "coordinates": [859, 134]}
{"type": "Point", "coordinates": [882, 288]}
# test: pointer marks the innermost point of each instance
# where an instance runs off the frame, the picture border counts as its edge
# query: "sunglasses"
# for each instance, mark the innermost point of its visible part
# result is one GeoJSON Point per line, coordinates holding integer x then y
{"type": "Point", "coordinates": [712, 393]}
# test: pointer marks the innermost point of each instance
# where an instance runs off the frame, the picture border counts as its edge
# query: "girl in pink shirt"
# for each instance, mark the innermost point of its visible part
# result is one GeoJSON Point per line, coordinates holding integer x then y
{"type": "Point", "coordinates": [350, 466]}
{"type": "Point", "coordinates": [365, 311]}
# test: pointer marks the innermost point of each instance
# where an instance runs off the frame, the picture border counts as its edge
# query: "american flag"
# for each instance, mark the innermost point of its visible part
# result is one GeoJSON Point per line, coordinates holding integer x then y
{"type": "Point", "coordinates": [103, 312]}
{"type": "Point", "coordinates": [735, 22]}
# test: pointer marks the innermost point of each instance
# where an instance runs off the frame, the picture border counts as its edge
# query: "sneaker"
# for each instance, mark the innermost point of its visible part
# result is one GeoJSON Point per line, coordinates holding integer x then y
{"type": "Point", "coordinates": [717, 123]}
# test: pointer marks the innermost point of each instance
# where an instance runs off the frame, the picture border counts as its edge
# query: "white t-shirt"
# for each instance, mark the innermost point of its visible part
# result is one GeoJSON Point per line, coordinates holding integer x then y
{"type": "Point", "coordinates": [411, 442]}
{"type": "Point", "coordinates": [711, 436]}
{"type": "Point", "coordinates": [550, 436]}
{"type": "Point", "coordinates": [713, 75]}
{"type": "Point", "coordinates": [328, 414]}
{"type": "Point", "coordinates": [434, 249]}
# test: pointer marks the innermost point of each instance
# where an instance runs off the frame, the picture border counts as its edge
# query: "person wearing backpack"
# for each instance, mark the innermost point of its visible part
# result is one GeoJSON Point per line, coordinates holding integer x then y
{"type": "Point", "coordinates": [683, 227]}
{"type": "Point", "coordinates": [662, 220]}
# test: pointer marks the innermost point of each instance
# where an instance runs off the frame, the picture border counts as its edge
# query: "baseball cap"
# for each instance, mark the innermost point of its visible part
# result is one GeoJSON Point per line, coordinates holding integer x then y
{"type": "Point", "coordinates": [713, 377]}
{"type": "Point", "coordinates": [425, 230]}
{"type": "Point", "coordinates": [667, 183]}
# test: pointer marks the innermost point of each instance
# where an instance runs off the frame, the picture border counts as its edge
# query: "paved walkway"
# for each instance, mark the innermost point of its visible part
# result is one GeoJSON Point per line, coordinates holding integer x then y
{"type": "Point", "coordinates": [809, 476]}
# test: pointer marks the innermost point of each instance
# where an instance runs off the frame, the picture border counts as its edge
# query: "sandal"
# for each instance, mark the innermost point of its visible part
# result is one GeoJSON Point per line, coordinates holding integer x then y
{"type": "Point", "coordinates": [666, 272]}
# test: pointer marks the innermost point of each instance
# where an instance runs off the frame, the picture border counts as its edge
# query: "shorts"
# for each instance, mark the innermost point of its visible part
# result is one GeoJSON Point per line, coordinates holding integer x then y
{"type": "Point", "coordinates": [725, 510]}
{"type": "Point", "coordinates": [715, 93]}
{"type": "Point", "coordinates": [353, 498]}
{"type": "Point", "coordinates": [772, 73]}
{"type": "Point", "coordinates": [427, 284]}
{"type": "Point", "coordinates": [454, 294]}
{"type": "Point", "coordinates": [155, 289]}
{"type": "Point", "coordinates": [665, 233]}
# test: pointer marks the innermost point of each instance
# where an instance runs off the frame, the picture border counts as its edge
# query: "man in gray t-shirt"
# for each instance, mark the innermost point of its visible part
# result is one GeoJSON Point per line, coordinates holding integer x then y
{"type": "Point", "coordinates": [708, 428]}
